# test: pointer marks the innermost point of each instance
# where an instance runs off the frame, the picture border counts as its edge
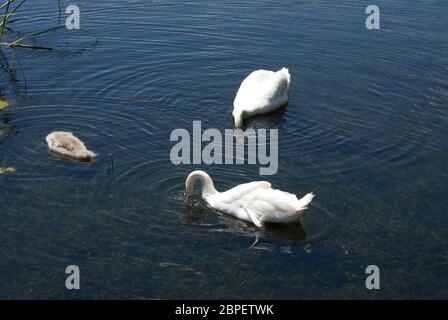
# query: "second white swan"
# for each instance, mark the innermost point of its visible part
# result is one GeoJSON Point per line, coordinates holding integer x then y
{"type": "Point", "coordinates": [262, 91]}
{"type": "Point", "coordinates": [255, 202]}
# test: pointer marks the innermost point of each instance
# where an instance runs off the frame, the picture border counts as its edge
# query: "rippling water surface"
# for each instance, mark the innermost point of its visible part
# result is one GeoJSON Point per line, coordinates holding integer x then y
{"type": "Point", "coordinates": [365, 130]}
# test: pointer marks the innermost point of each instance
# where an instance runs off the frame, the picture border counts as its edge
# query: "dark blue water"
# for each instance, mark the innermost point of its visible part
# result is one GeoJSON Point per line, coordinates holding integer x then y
{"type": "Point", "coordinates": [365, 130]}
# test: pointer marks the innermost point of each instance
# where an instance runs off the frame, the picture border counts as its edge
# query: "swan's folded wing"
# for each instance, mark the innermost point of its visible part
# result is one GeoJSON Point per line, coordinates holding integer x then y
{"type": "Point", "coordinates": [276, 85]}
{"type": "Point", "coordinates": [253, 216]}
{"type": "Point", "coordinates": [68, 145]}
{"type": "Point", "coordinates": [257, 77]}
{"type": "Point", "coordinates": [253, 83]}
{"type": "Point", "coordinates": [270, 202]}
{"type": "Point", "coordinates": [239, 192]}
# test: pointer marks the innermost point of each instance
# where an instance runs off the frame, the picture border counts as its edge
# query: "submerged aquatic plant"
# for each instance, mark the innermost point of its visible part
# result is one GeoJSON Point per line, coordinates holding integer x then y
{"type": "Point", "coordinates": [4, 170]}
{"type": "Point", "coordinates": [9, 8]}
{"type": "Point", "coordinates": [3, 104]}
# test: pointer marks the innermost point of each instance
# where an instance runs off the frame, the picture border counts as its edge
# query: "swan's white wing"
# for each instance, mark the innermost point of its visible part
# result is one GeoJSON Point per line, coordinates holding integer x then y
{"type": "Point", "coordinates": [256, 78]}
{"type": "Point", "coordinates": [257, 202]}
{"type": "Point", "coordinates": [250, 88]}
{"type": "Point", "coordinates": [268, 201]}
{"type": "Point", "coordinates": [233, 201]}
{"type": "Point", "coordinates": [275, 86]}
{"type": "Point", "coordinates": [262, 91]}
{"type": "Point", "coordinates": [274, 205]}
{"type": "Point", "coordinates": [240, 191]}
{"type": "Point", "coordinates": [253, 217]}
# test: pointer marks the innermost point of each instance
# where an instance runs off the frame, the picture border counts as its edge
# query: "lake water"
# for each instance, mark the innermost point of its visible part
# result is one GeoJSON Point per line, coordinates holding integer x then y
{"type": "Point", "coordinates": [365, 129]}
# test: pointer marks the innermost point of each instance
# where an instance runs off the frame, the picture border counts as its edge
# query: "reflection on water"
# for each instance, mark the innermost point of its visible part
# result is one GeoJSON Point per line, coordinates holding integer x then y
{"type": "Point", "coordinates": [364, 129]}
{"type": "Point", "coordinates": [198, 213]}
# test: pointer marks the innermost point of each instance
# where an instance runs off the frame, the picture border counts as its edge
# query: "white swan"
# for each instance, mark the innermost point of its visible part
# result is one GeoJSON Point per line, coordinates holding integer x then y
{"type": "Point", "coordinates": [254, 202]}
{"type": "Point", "coordinates": [261, 92]}
{"type": "Point", "coordinates": [65, 143]}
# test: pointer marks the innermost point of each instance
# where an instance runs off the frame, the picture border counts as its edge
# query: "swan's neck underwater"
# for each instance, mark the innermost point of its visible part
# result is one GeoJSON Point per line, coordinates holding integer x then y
{"type": "Point", "coordinates": [238, 118]}
{"type": "Point", "coordinates": [207, 184]}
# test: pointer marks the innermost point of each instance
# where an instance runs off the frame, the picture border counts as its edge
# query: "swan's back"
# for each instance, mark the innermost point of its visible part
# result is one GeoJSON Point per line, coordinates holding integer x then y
{"type": "Point", "coordinates": [236, 193]}
{"type": "Point", "coordinates": [262, 91]}
{"type": "Point", "coordinates": [273, 200]}
{"type": "Point", "coordinates": [256, 78]}
{"type": "Point", "coordinates": [65, 143]}
{"type": "Point", "coordinates": [271, 205]}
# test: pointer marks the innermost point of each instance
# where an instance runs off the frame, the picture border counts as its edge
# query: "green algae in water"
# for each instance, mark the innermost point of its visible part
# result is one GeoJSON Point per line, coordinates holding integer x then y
{"type": "Point", "coordinates": [3, 104]}
{"type": "Point", "coordinates": [4, 170]}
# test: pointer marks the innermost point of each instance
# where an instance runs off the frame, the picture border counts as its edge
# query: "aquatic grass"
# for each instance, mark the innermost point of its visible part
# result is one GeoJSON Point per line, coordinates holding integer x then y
{"type": "Point", "coordinates": [5, 18]}
{"type": "Point", "coordinates": [10, 9]}
{"type": "Point", "coordinates": [18, 43]}
{"type": "Point", "coordinates": [8, 14]}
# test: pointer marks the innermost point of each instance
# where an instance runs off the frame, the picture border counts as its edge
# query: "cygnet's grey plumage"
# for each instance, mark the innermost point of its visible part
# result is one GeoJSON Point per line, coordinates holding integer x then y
{"type": "Point", "coordinates": [65, 143]}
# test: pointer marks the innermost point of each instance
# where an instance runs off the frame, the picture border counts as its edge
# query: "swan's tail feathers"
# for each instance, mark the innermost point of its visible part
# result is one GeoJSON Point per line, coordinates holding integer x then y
{"type": "Point", "coordinates": [86, 155]}
{"type": "Point", "coordinates": [305, 201]}
{"type": "Point", "coordinates": [285, 71]}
